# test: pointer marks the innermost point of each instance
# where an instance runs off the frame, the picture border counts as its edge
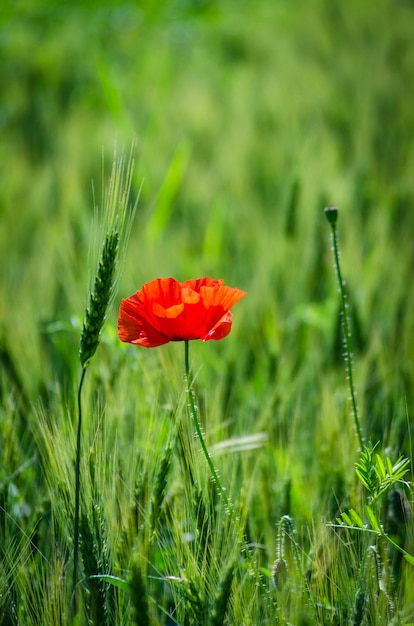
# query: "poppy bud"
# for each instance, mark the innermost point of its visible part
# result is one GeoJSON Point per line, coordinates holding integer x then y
{"type": "Point", "coordinates": [279, 573]}
{"type": "Point", "coordinates": [331, 213]}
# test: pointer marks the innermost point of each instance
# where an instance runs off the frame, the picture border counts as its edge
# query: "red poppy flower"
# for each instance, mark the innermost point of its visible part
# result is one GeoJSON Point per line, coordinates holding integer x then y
{"type": "Point", "coordinates": [166, 310]}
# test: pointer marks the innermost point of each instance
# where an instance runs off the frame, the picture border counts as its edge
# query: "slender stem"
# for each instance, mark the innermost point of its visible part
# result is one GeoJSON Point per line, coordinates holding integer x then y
{"type": "Point", "coordinates": [77, 484]}
{"type": "Point", "coordinates": [347, 341]}
{"type": "Point", "coordinates": [229, 506]}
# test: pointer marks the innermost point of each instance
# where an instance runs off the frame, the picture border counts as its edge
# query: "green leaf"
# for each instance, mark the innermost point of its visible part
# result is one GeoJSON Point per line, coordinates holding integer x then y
{"type": "Point", "coordinates": [372, 519]}
{"type": "Point", "coordinates": [112, 580]}
{"type": "Point", "coordinates": [409, 558]}
{"type": "Point", "coordinates": [266, 572]}
{"type": "Point", "coordinates": [346, 519]}
{"type": "Point", "coordinates": [356, 519]}
{"type": "Point", "coordinates": [401, 467]}
{"type": "Point", "coordinates": [362, 477]}
{"type": "Point", "coordinates": [380, 468]}
{"type": "Point", "coordinates": [170, 188]}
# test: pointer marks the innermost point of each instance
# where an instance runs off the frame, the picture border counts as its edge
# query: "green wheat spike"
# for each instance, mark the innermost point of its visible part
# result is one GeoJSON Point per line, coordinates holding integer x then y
{"type": "Point", "coordinates": [99, 299]}
{"type": "Point", "coordinates": [103, 556]}
{"type": "Point", "coordinates": [139, 596]}
{"type": "Point", "coordinates": [369, 584]}
{"type": "Point", "coordinates": [222, 597]}
{"type": "Point", "coordinates": [95, 598]}
{"type": "Point", "coordinates": [360, 602]}
{"type": "Point", "coordinates": [160, 484]}
{"type": "Point", "coordinates": [90, 565]}
{"type": "Point", "coordinates": [203, 527]}
{"type": "Point", "coordinates": [194, 601]}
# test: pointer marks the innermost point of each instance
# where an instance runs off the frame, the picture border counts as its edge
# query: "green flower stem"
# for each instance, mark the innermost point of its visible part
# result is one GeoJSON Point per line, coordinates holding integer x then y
{"type": "Point", "coordinates": [331, 213]}
{"type": "Point", "coordinates": [77, 484]}
{"type": "Point", "coordinates": [229, 506]}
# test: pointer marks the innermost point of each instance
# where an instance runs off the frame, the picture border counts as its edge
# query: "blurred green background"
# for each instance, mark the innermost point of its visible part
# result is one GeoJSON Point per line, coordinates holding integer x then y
{"type": "Point", "coordinates": [249, 118]}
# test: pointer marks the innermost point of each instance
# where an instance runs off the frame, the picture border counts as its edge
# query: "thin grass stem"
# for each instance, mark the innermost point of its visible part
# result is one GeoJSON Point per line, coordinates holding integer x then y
{"type": "Point", "coordinates": [77, 485]}
{"type": "Point", "coordinates": [331, 213]}
{"type": "Point", "coordinates": [228, 504]}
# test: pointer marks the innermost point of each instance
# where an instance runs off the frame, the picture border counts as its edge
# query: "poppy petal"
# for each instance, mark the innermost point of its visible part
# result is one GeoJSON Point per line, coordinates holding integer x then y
{"type": "Point", "coordinates": [221, 330]}
{"type": "Point", "coordinates": [135, 328]}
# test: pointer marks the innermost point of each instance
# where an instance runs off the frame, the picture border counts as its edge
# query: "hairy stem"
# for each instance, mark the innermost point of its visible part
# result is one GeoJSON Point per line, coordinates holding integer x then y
{"type": "Point", "coordinates": [331, 214]}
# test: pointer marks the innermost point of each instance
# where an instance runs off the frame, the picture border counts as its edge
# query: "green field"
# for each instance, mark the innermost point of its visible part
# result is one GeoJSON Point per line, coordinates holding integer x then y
{"type": "Point", "coordinates": [245, 121]}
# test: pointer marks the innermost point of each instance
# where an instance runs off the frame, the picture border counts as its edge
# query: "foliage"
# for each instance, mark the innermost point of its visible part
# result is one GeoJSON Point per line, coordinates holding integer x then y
{"type": "Point", "coordinates": [249, 119]}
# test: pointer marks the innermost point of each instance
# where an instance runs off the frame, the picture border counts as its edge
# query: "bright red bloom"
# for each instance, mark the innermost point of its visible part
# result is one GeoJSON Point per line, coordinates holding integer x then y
{"type": "Point", "coordinates": [166, 310]}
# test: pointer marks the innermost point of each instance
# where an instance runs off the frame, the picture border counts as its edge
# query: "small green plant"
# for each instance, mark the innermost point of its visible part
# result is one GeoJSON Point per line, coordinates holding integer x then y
{"type": "Point", "coordinates": [379, 477]}
{"type": "Point", "coordinates": [373, 587]}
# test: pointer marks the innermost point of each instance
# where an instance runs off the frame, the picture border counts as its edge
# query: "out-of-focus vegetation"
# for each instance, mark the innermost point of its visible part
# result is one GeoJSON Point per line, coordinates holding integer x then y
{"type": "Point", "coordinates": [249, 118]}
